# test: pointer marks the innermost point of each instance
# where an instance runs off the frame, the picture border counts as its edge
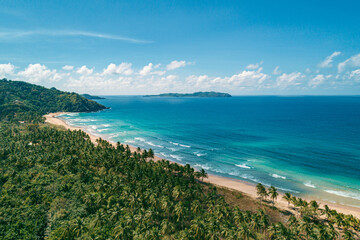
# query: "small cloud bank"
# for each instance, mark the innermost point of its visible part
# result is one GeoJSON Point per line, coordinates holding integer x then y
{"type": "Point", "coordinates": [328, 60]}
{"type": "Point", "coordinates": [124, 78]}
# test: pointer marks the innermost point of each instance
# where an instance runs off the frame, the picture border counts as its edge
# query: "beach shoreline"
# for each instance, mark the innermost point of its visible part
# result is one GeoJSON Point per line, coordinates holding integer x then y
{"type": "Point", "coordinates": [229, 183]}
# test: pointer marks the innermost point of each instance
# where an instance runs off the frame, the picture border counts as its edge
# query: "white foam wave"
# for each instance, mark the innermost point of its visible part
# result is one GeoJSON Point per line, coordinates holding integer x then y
{"type": "Point", "coordinates": [309, 184]}
{"type": "Point", "coordinates": [344, 194]}
{"type": "Point", "coordinates": [199, 154]}
{"type": "Point", "coordinates": [172, 149]}
{"type": "Point", "coordinates": [154, 145]}
{"type": "Point", "coordinates": [106, 125]}
{"type": "Point", "coordinates": [140, 139]}
{"type": "Point", "coordinates": [71, 114]}
{"type": "Point", "coordinates": [183, 145]}
{"type": "Point", "coordinates": [102, 129]}
{"type": "Point", "coordinates": [164, 154]}
{"type": "Point", "coordinates": [205, 167]}
{"type": "Point", "coordinates": [288, 190]}
{"type": "Point", "coordinates": [129, 141]}
{"type": "Point", "coordinates": [179, 144]}
{"type": "Point", "coordinates": [277, 176]}
{"type": "Point", "coordinates": [176, 157]}
{"type": "Point", "coordinates": [252, 178]}
{"type": "Point", "coordinates": [243, 166]}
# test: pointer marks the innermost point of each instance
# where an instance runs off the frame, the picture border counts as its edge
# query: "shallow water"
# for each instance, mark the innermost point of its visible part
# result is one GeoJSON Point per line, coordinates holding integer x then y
{"type": "Point", "coordinates": [304, 145]}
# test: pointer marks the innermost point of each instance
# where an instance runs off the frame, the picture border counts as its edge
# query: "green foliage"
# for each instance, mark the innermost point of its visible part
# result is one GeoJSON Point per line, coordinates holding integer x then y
{"type": "Point", "coordinates": [59, 185]}
{"type": "Point", "coordinates": [20, 101]}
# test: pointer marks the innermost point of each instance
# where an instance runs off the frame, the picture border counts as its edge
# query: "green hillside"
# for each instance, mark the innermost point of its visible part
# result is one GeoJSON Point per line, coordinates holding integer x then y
{"type": "Point", "coordinates": [23, 101]}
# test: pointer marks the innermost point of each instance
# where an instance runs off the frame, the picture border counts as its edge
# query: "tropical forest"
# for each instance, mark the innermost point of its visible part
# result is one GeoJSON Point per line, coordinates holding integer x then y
{"type": "Point", "coordinates": [58, 184]}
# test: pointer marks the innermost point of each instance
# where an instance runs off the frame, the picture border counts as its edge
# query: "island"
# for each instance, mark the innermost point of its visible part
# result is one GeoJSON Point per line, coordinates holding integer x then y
{"type": "Point", "coordinates": [91, 97]}
{"type": "Point", "coordinates": [195, 94]}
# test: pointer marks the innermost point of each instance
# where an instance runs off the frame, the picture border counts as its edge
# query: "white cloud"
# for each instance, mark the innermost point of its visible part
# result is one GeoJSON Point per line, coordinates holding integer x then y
{"type": "Point", "coordinates": [147, 70]}
{"type": "Point", "coordinates": [176, 64]}
{"type": "Point", "coordinates": [328, 60]}
{"type": "Point", "coordinates": [276, 71]}
{"type": "Point", "coordinates": [38, 73]}
{"type": "Point", "coordinates": [6, 70]}
{"type": "Point", "coordinates": [355, 75]}
{"type": "Point", "coordinates": [68, 68]}
{"type": "Point", "coordinates": [243, 80]}
{"type": "Point", "coordinates": [84, 70]}
{"type": "Point", "coordinates": [11, 35]}
{"type": "Point", "coordinates": [123, 68]}
{"type": "Point", "coordinates": [291, 79]}
{"type": "Point", "coordinates": [354, 61]}
{"type": "Point", "coordinates": [318, 79]}
{"type": "Point", "coordinates": [254, 66]}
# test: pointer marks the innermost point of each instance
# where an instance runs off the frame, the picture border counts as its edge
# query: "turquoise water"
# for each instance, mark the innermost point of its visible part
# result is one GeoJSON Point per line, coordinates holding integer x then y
{"type": "Point", "coordinates": [303, 145]}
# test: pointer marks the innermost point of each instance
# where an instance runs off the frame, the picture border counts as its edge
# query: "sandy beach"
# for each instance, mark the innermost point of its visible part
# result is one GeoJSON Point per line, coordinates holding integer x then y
{"type": "Point", "coordinates": [242, 186]}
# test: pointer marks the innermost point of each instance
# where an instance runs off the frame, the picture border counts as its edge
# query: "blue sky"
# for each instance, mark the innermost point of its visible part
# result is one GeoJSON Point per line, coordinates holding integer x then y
{"type": "Point", "coordinates": [145, 47]}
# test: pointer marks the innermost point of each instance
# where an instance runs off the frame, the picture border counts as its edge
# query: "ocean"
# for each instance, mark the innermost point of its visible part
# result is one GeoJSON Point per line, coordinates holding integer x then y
{"type": "Point", "coordinates": [308, 146]}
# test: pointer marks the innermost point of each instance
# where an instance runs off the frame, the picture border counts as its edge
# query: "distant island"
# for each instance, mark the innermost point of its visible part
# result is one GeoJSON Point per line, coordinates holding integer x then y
{"type": "Point", "coordinates": [195, 94]}
{"type": "Point", "coordinates": [91, 97]}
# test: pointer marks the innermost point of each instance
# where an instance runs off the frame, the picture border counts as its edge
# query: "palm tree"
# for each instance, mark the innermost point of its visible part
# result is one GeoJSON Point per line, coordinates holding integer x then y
{"type": "Point", "coordinates": [348, 235]}
{"type": "Point", "coordinates": [79, 227]}
{"type": "Point", "coordinates": [150, 153]}
{"type": "Point", "coordinates": [273, 193]}
{"type": "Point", "coordinates": [261, 191]}
{"type": "Point", "coordinates": [287, 197]}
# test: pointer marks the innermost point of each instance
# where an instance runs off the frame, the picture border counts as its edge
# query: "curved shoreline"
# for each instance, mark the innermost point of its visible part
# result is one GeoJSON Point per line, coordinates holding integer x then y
{"type": "Point", "coordinates": [230, 183]}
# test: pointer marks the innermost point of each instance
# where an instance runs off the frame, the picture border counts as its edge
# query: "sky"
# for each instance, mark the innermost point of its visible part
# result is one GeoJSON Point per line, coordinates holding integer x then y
{"type": "Point", "coordinates": [150, 47]}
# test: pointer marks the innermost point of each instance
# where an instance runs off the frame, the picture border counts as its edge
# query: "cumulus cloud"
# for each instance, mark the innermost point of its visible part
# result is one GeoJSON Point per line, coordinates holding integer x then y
{"type": "Point", "coordinates": [148, 70]}
{"type": "Point", "coordinates": [254, 66]}
{"type": "Point", "coordinates": [68, 68]}
{"type": "Point", "coordinates": [38, 73]}
{"type": "Point", "coordinates": [354, 61]}
{"type": "Point", "coordinates": [243, 80]}
{"type": "Point", "coordinates": [318, 79]}
{"type": "Point", "coordinates": [84, 70]}
{"type": "Point", "coordinates": [152, 78]}
{"type": "Point", "coordinates": [276, 71]}
{"type": "Point", "coordinates": [355, 75]}
{"type": "Point", "coordinates": [328, 60]}
{"type": "Point", "coordinates": [123, 68]}
{"type": "Point", "coordinates": [6, 70]}
{"type": "Point", "coordinates": [291, 79]}
{"type": "Point", "coordinates": [176, 64]}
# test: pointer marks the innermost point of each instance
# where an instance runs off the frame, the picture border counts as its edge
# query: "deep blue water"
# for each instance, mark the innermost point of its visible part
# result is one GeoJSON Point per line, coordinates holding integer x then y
{"type": "Point", "coordinates": [304, 145]}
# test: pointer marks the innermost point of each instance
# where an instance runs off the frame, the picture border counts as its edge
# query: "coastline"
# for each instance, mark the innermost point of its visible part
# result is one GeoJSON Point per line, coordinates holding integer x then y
{"type": "Point", "coordinates": [233, 184]}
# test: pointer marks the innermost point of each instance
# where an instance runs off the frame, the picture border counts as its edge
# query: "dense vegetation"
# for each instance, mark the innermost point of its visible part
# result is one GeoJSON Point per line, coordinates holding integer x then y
{"type": "Point", "coordinates": [57, 184]}
{"type": "Point", "coordinates": [22, 101]}
{"type": "Point", "coordinates": [88, 96]}
{"type": "Point", "coordinates": [196, 94]}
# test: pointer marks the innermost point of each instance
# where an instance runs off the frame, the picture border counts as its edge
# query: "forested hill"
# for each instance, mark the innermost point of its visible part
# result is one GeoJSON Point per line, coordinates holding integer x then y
{"type": "Point", "coordinates": [23, 101]}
